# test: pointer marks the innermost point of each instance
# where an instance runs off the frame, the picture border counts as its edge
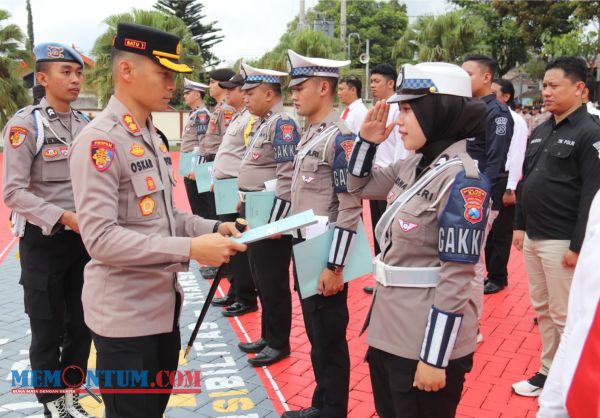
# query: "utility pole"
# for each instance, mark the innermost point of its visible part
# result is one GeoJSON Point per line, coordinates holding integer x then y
{"type": "Point", "coordinates": [302, 17]}
{"type": "Point", "coordinates": [343, 25]}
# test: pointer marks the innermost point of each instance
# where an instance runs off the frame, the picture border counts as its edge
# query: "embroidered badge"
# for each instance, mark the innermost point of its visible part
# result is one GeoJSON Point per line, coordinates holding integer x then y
{"type": "Point", "coordinates": [227, 116]}
{"type": "Point", "coordinates": [597, 146]}
{"type": "Point", "coordinates": [130, 123]}
{"type": "Point", "coordinates": [50, 152]}
{"type": "Point", "coordinates": [347, 147]}
{"type": "Point", "coordinates": [288, 132]}
{"type": "Point", "coordinates": [102, 153]}
{"type": "Point", "coordinates": [137, 150]}
{"type": "Point", "coordinates": [64, 151]}
{"type": "Point", "coordinates": [150, 184]}
{"type": "Point", "coordinates": [501, 125]}
{"type": "Point", "coordinates": [203, 118]}
{"type": "Point", "coordinates": [407, 226]}
{"type": "Point", "coordinates": [134, 43]}
{"type": "Point", "coordinates": [147, 206]}
{"type": "Point", "coordinates": [51, 113]}
{"type": "Point", "coordinates": [256, 155]}
{"type": "Point", "coordinates": [474, 198]}
{"type": "Point", "coordinates": [163, 148]}
{"type": "Point", "coordinates": [307, 179]}
{"type": "Point", "coordinates": [55, 51]}
{"type": "Point", "coordinates": [17, 136]}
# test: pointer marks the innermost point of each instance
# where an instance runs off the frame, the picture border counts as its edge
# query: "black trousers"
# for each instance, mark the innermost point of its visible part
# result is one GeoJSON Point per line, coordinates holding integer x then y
{"type": "Point", "coordinates": [326, 320]}
{"type": "Point", "coordinates": [241, 284]}
{"type": "Point", "coordinates": [392, 380]}
{"type": "Point", "coordinates": [377, 209]}
{"type": "Point", "coordinates": [497, 246]}
{"type": "Point", "coordinates": [149, 354]}
{"type": "Point", "coordinates": [193, 196]}
{"type": "Point", "coordinates": [52, 279]}
{"type": "Point", "coordinates": [270, 264]}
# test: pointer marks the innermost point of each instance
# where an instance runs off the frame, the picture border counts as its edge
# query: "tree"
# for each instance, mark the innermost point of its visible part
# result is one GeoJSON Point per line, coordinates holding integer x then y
{"type": "Point", "coordinates": [13, 95]}
{"type": "Point", "coordinates": [101, 73]}
{"type": "Point", "coordinates": [501, 34]}
{"type": "Point", "coordinates": [583, 44]}
{"type": "Point", "coordinates": [205, 34]}
{"type": "Point", "coordinates": [30, 38]}
{"type": "Point", "coordinates": [447, 37]}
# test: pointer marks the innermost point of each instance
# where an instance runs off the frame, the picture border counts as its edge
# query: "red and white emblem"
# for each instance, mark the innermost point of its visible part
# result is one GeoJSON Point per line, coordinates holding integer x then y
{"type": "Point", "coordinates": [407, 226]}
{"type": "Point", "coordinates": [474, 198]}
{"type": "Point", "coordinates": [347, 147]}
{"type": "Point", "coordinates": [287, 132]}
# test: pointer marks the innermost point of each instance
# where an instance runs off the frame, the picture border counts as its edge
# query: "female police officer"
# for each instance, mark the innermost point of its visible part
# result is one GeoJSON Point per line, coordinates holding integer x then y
{"type": "Point", "coordinates": [423, 323]}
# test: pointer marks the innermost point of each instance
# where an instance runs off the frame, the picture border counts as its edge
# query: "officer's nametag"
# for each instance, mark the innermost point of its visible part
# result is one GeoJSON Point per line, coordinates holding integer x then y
{"type": "Point", "coordinates": [102, 153]}
{"type": "Point", "coordinates": [343, 150]}
{"type": "Point", "coordinates": [463, 221]}
{"type": "Point", "coordinates": [286, 140]}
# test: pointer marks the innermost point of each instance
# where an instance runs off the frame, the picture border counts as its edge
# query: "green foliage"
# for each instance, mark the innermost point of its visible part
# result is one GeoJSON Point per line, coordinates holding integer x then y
{"type": "Point", "coordinates": [101, 73]}
{"type": "Point", "coordinates": [572, 43]}
{"type": "Point", "coordinates": [13, 94]}
{"type": "Point", "coordinates": [30, 37]}
{"type": "Point", "coordinates": [447, 37]}
{"type": "Point", "coordinates": [205, 34]}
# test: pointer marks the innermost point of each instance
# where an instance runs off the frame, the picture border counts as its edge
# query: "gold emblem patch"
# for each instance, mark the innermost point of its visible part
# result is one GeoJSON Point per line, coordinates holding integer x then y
{"type": "Point", "coordinates": [147, 205]}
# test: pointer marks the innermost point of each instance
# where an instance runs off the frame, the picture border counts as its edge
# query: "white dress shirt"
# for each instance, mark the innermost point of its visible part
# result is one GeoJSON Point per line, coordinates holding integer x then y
{"type": "Point", "coordinates": [357, 111]}
{"type": "Point", "coordinates": [516, 151]}
{"type": "Point", "coordinates": [392, 149]}
{"type": "Point", "coordinates": [592, 109]}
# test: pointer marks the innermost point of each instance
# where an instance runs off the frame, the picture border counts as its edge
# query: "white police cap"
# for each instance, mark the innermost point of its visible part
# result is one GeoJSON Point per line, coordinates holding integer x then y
{"type": "Point", "coordinates": [255, 76]}
{"type": "Point", "coordinates": [418, 80]}
{"type": "Point", "coordinates": [189, 85]}
{"type": "Point", "coordinates": [302, 68]}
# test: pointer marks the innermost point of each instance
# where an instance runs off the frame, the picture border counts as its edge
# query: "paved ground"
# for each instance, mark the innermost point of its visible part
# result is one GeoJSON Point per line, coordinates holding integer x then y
{"type": "Point", "coordinates": [509, 353]}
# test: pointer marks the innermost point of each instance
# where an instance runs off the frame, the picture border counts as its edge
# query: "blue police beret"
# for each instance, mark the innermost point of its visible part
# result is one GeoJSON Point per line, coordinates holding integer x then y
{"type": "Point", "coordinates": [55, 52]}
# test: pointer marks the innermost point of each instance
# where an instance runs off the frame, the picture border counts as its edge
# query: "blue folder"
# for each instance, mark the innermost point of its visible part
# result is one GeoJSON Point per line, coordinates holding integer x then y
{"type": "Point", "coordinates": [310, 258]}
{"type": "Point", "coordinates": [226, 196]}
{"type": "Point", "coordinates": [258, 207]}
{"type": "Point", "coordinates": [281, 226]}
{"type": "Point", "coordinates": [187, 160]}
{"type": "Point", "coordinates": [203, 173]}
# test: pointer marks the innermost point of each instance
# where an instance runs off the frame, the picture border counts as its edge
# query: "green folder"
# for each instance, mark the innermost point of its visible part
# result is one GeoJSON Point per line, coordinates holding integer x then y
{"type": "Point", "coordinates": [226, 196]}
{"type": "Point", "coordinates": [310, 258]}
{"type": "Point", "coordinates": [187, 160]}
{"type": "Point", "coordinates": [281, 226]}
{"type": "Point", "coordinates": [203, 173]}
{"type": "Point", "coordinates": [258, 207]}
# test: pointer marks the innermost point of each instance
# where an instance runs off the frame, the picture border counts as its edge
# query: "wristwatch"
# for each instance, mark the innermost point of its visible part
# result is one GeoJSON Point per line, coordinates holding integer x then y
{"type": "Point", "coordinates": [336, 269]}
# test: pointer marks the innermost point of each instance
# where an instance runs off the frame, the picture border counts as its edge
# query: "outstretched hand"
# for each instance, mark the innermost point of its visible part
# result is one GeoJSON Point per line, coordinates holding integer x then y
{"type": "Point", "coordinates": [373, 128]}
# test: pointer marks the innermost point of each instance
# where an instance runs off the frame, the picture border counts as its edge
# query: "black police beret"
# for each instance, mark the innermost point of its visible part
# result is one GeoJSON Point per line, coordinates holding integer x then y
{"type": "Point", "coordinates": [162, 47]}
{"type": "Point", "coordinates": [221, 74]}
{"type": "Point", "coordinates": [235, 81]}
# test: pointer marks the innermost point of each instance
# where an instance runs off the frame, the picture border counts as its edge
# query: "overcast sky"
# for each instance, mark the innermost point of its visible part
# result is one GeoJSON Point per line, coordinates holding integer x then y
{"type": "Point", "coordinates": [250, 27]}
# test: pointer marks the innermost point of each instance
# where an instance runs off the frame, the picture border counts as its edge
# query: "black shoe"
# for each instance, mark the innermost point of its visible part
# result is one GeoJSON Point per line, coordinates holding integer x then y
{"type": "Point", "coordinates": [269, 355]}
{"type": "Point", "coordinates": [253, 347]}
{"type": "Point", "coordinates": [238, 309]}
{"type": "Point", "coordinates": [368, 289]}
{"type": "Point", "coordinates": [208, 272]}
{"type": "Point", "coordinates": [491, 287]}
{"type": "Point", "coordinates": [225, 301]}
{"type": "Point", "coordinates": [303, 413]}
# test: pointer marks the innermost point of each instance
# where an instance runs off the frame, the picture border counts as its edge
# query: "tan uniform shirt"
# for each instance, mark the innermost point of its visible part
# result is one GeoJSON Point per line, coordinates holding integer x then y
{"type": "Point", "coordinates": [319, 181]}
{"type": "Point", "coordinates": [232, 148]}
{"type": "Point", "coordinates": [135, 236]}
{"type": "Point", "coordinates": [399, 315]}
{"type": "Point", "coordinates": [195, 128]}
{"type": "Point", "coordinates": [261, 162]}
{"type": "Point", "coordinates": [38, 186]}
{"type": "Point", "coordinates": [219, 121]}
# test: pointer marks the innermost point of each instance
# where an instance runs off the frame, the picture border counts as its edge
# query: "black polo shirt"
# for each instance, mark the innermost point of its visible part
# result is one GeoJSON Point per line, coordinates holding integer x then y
{"type": "Point", "coordinates": [561, 175]}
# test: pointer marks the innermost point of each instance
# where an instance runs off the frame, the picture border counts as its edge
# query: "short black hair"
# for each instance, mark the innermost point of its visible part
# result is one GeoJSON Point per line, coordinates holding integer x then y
{"type": "Point", "coordinates": [332, 83]}
{"type": "Point", "coordinates": [574, 68]}
{"type": "Point", "coordinates": [590, 84]}
{"type": "Point", "coordinates": [353, 81]}
{"type": "Point", "coordinates": [42, 66]}
{"type": "Point", "coordinates": [506, 87]}
{"type": "Point", "coordinates": [387, 71]}
{"type": "Point", "coordinates": [275, 87]}
{"type": "Point", "coordinates": [487, 61]}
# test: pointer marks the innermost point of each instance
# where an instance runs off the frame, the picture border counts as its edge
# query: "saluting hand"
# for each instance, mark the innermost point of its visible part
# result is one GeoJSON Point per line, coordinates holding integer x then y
{"type": "Point", "coordinates": [330, 283]}
{"type": "Point", "coordinates": [373, 128]}
{"type": "Point", "coordinates": [69, 219]}
{"type": "Point", "coordinates": [215, 249]}
{"type": "Point", "coordinates": [429, 378]}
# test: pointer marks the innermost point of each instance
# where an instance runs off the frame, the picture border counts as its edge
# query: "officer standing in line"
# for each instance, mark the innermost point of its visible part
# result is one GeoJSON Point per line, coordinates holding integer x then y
{"type": "Point", "coordinates": [195, 128]}
{"type": "Point", "coordinates": [319, 183]}
{"type": "Point", "coordinates": [241, 297]}
{"type": "Point", "coordinates": [423, 319]}
{"type": "Point", "coordinates": [137, 239]}
{"type": "Point", "coordinates": [37, 187]}
{"type": "Point", "coordinates": [270, 156]}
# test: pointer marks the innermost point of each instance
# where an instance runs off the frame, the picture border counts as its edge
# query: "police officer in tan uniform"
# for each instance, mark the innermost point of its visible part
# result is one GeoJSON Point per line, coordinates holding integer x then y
{"type": "Point", "coordinates": [319, 183]}
{"type": "Point", "coordinates": [137, 239]}
{"type": "Point", "coordinates": [194, 130]}
{"type": "Point", "coordinates": [423, 318]}
{"type": "Point", "coordinates": [241, 297]}
{"type": "Point", "coordinates": [37, 187]}
{"type": "Point", "coordinates": [270, 156]}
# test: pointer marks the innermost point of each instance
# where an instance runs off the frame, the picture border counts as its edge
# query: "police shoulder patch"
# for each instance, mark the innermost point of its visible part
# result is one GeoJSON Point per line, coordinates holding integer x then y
{"type": "Point", "coordinates": [285, 140]}
{"type": "Point", "coordinates": [501, 123]}
{"type": "Point", "coordinates": [343, 149]}
{"type": "Point", "coordinates": [227, 116]}
{"type": "Point", "coordinates": [463, 220]}
{"type": "Point", "coordinates": [17, 135]}
{"type": "Point", "coordinates": [102, 154]}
